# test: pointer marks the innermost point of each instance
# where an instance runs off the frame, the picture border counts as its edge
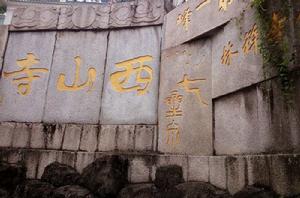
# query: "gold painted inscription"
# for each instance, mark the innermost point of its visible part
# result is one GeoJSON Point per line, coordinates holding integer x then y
{"type": "Point", "coordinates": [251, 41]}
{"type": "Point", "coordinates": [184, 19]}
{"type": "Point", "coordinates": [228, 53]}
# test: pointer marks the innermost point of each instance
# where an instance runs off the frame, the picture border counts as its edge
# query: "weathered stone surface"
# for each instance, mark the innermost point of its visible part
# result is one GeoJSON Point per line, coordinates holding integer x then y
{"type": "Point", "coordinates": [167, 177]}
{"type": "Point", "coordinates": [119, 104]}
{"type": "Point", "coordinates": [46, 158]}
{"type": "Point", "coordinates": [72, 137]}
{"type": "Point", "coordinates": [59, 175]}
{"type": "Point", "coordinates": [37, 137]}
{"type": "Point", "coordinates": [84, 17]}
{"type": "Point", "coordinates": [83, 160]}
{"type": "Point", "coordinates": [31, 161]}
{"type": "Point", "coordinates": [257, 192]}
{"type": "Point", "coordinates": [184, 97]}
{"type": "Point", "coordinates": [3, 40]}
{"type": "Point", "coordinates": [89, 138]}
{"type": "Point", "coordinates": [145, 137]}
{"type": "Point", "coordinates": [138, 191]}
{"type": "Point", "coordinates": [34, 189]}
{"type": "Point", "coordinates": [201, 189]}
{"type": "Point", "coordinates": [139, 171]}
{"type": "Point", "coordinates": [217, 171]}
{"type": "Point", "coordinates": [106, 176]}
{"type": "Point", "coordinates": [54, 134]}
{"type": "Point", "coordinates": [107, 138]}
{"type": "Point", "coordinates": [258, 170]}
{"type": "Point", "coordinates": [35, 18]}
{"type": "Point", "coordinates": [210, 14]}
{"type": "Point", "coordinates": [6, 133]}
{"type": "Point", "coordinates": [236, 174]}
{"type": "Point", "coordinates": [11, 176]}
{"type": "Point", "coordinates": [21, 135]}
{"type": "Point", "coordinates": [125, 137]}
{"type": "Point", "coordinates": [198, 168]}
{"type": "Point", "coordinates": [29, 45]}
{"type": "Point", "coordinates": [72, 191]}
{"type": "Point", "coordinates": [242, 65]}
{"type": "Point", "coordinates": [76, 99]}
{"type": "Point", "coordinates": [67, 157]}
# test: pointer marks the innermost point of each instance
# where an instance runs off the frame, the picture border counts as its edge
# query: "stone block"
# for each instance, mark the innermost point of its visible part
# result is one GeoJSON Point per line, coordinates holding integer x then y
{"type": "Point", "coordinates": [38, 137]}
{"type": "Point", "coordinates": [144, 137]}
{"type": "Point", "coordinates": [198, 169]}
{"type": "Point", "coordinates": [184, 98]}
{"type": "Point", "coordinates": [107, 138]}
{"type": "Point", "coordinates": [217, 171]}
{"type": "Point", "coordinates": [32, 160]}
{"type": "Point", "coordinates": [34, 18]}
{"type": "Point", "coordinates": [3, 40]}
{"type": "Point", "coordinates": [182, 23]}
{"type": "Point", "coordinates": [236, 174]}
{"type": "Point", "coordinates": [15, 156]}
{"type": "Point", "coordinates": [284, 171]}
{"type": "Point", "coordinates": [46, 158]}
{"type": "Point", "coordinates": [136, 51]}
{"type": "Point", "coordinates": [258, 170]}
{"type": "Point", "coordinates": [66, 157]}
{"type": "Point", "coordinates": [6, 133]}
{"type": "Point", "coordinates": [75, 84]}
{"type": "Point", "coordinates": [125, 137]}
{"type": "Point", "coordinates": [139, 171]}
{"type": "Point", "coordinates": [236, 64]}
{"type": "Point", "coordinates": [83, 160]}
{"type": "Point", "coordinates": [55, 134]}
{"type": "Point", "coordinates": [84, 17]}
{"type": "Point", "coordinates": [21, 135]}
{"type": "Point", "coordinates": [89, 138]}
{"type": "Point", "coordinates": [72, 137]}
{"type": "Point", "coordinates": [18, 98]}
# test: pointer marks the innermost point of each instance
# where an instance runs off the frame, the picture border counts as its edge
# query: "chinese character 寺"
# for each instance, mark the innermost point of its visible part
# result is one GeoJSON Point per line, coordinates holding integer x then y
{"type": "Point", "coordinates": [134, 67]}
{"type": "Point", "coordinates": [173, 134]}
{"type": "Point", "coordinates": [227, 54]}
{"type": "Point", "coordinates": [223, 4]}
{"type": "Point", "coordinates": [251, 40]}
{"type": "Point", "coordinates": [277, 26]}
{"type": "Point", "coordinates": [202, 4]}
{"type": "Point", "coordinates": [185, 19]}
{"type": "Point", "coordinates": [61, 86]}
{"type": "Point", "coordinates": [174, 101]}
{"type": "Point", "coordinates": [26, 73]}
{"type": "Point", "coordinates": [185, 83]}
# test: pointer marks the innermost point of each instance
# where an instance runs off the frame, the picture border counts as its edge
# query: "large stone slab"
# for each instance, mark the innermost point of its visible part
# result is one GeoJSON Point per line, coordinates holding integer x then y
{"type": "Point", "coordinates": [34, 18]}
{"type": "Point", "coordinates": [185, 104]}
{"type": "Point", "coordinates": [75, 85]}
{"type": "Point", "coordinates": [197, 17]}
{"type": "Point", "coordinates": [24, 100]}
{"type": "Point", "coordinates": [131, 79]}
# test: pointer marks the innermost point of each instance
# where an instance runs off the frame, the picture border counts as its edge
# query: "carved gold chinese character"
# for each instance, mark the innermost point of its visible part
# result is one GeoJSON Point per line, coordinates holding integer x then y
{"type": "Point", "coordinates": [174, 101]}
{"type": "Point", "coordinates": [251, 41]}
{"type": "Point", "coordinates": [76, 86]}
{"type": "Point", "coordinates": [184, 19]}
{"type": "Point", "coordinates": [223, 4]}
{"type": "Point", "coordinates": [277, 27]}
{"type": "Point", "coordinates": [26, 73]}
{"type": "Point", "coordinates": [202, 4]}
{"type": "Point", "coordinates": [185, 83]}
{"type": "Point", "coordinates": [227, 54]}
{"type": "Point", "coordinates": [173, 134]}
{"type": "Point", "coordinates": [135, 67]}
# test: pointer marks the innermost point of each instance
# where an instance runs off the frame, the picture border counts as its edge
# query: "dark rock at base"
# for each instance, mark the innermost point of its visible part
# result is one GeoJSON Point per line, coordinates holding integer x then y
{"type": "Point", "coordinates": [256, 192]}
{"type": "Point", "coordinates": [138, 191]}
{"type": "Point", "coordinates": [201, 190]}
{"type": "Point", "coordinates": [106, 176]}
{"type": "Point", "coordinates": [4, 193]}
{"type": "Point", "coordinates": [34, 189]}
{"type": "Point", "coordinates": [11, 176]}
{"type": "Point", "coordinates": [72, 192]}
{"type": "Point", "coordinates": [59, 174]}
{"type": "Point", "coordinates": [167, 177]}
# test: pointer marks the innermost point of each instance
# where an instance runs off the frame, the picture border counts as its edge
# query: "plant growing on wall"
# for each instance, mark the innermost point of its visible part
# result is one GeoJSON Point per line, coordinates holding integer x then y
{"type": "Point", "coordinates": [274, 41]}
{"type": "Point", "coordinates": [2, 9]}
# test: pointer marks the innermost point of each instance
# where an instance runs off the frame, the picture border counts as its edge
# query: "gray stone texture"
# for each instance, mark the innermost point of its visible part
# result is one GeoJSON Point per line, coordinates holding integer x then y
{"type": "Point", "coordinates": [83, 159]}
{"type": "Point", "coordinates": [34, 18]}
{"type": "Point", "coordinates": [258, 170]}
{"type": "Point", "coordinates": [125, 137]}
{"type": "Point", "coordinates": [145, 137]}
{"type": "Point", "coordinates": [236, 174]}
{"type": "Point", "coordinates": [72, 137]}
{"type": "Point", "coordinates": [296, 23]}
{"type": "Point", "coordinates": [217, 171]}
{"type": "Point", "coordinates": [211, 18]}
{"type": "Point", "coordinates": [107, 138]}
{"type": "Point", "coordinates": [127, 107]}
{"type": "Point", "coordinates": [46, 158]}
{"type": "Point", "coordinates": [198, 169]}
{"type": "Point", "coordinates": [6, 134]}
{"type": "Point", "coordinates": [139, 171]}
{"type": "Point", "coordinates": [31, 162]}
{"type": "Point", "coordinates": [66, 157]}
{"type": "Point", "coordinates": [89, 138]}
{"type": "Point", "coordinates": [54, 135]}
{"type": "Point", "coordinates": [257, 120]}
{"type": "Point", "coordinates": [185, 110]}
{"type": "Point", "coordinates": [26, 108]}
{"type": "Point", "coordinates": [37, 137]}
{"type": "Point", "coordinates": [21, 135]}
{"type": "Point", "coordinates": [77, 105]}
